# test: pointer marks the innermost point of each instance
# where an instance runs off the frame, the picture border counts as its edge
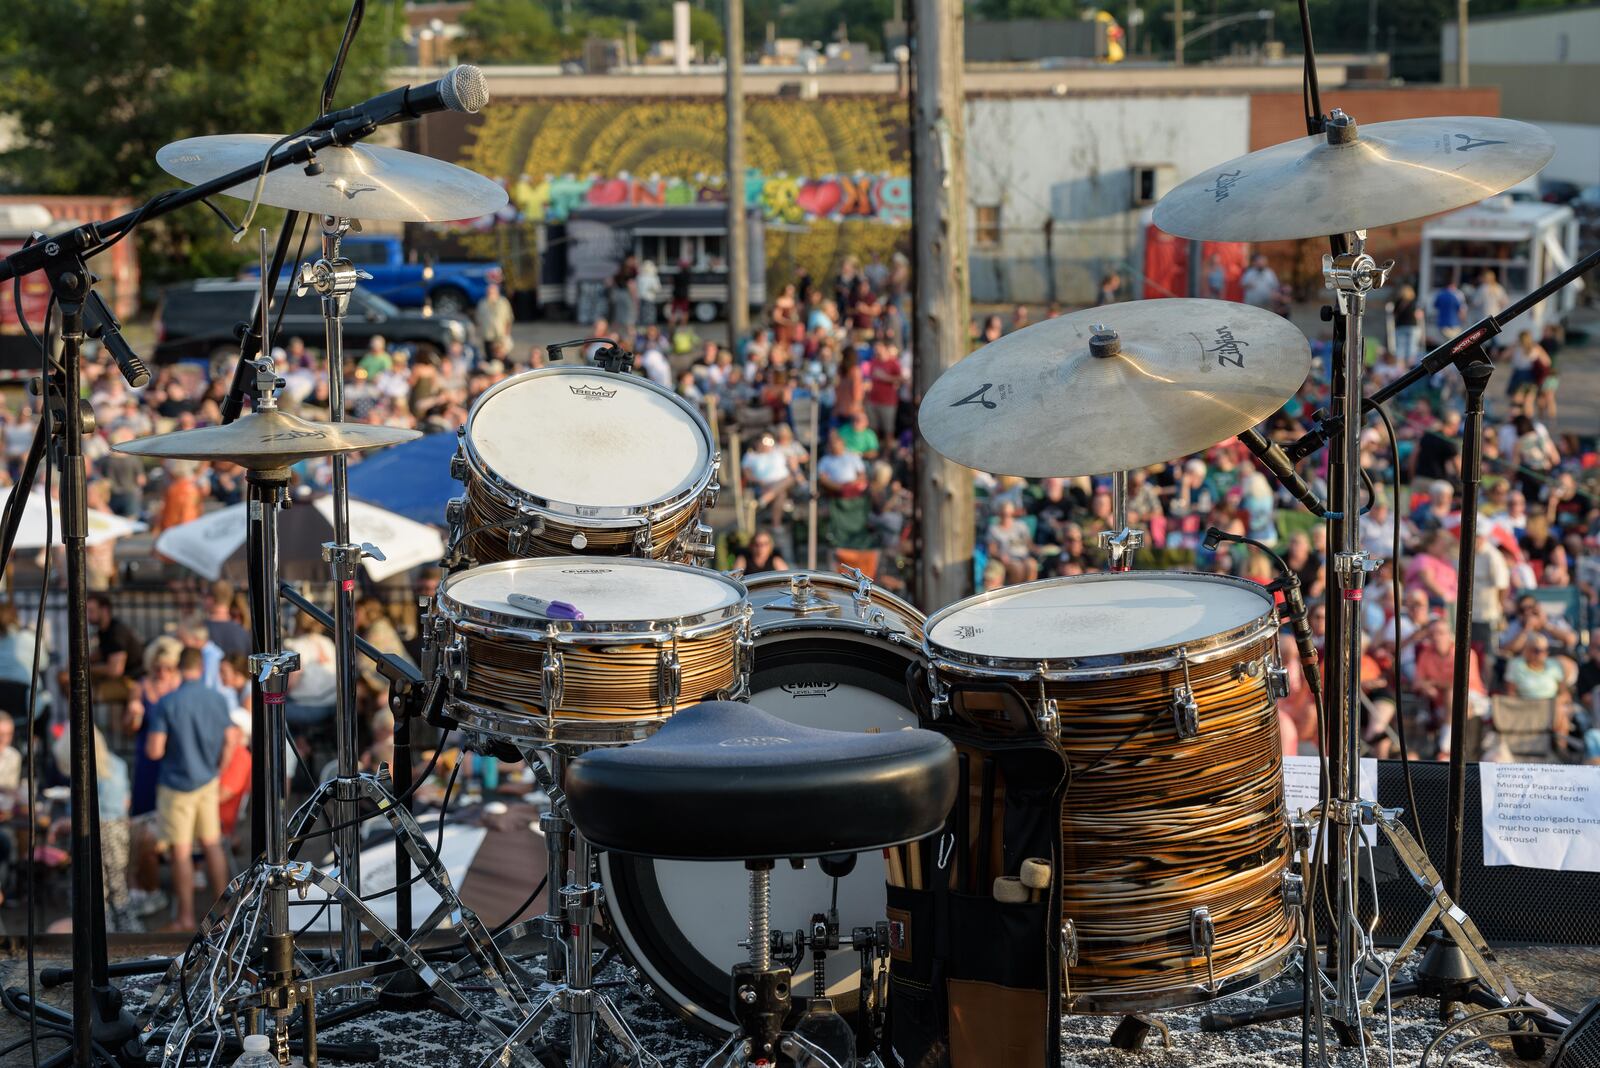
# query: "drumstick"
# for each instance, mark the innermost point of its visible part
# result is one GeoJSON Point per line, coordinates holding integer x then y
{"type": "Point", "coordinates": [985, 821]}
{"type": "Point", "coordinates": [961, 869]}
{"type": "Point", "coordinates": [896, 874]}
{"type": "Point", "coordinates": [914, 865]}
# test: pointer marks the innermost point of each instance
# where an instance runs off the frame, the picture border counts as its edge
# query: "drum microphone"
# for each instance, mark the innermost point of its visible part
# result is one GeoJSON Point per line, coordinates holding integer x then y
{"type": "Point", "coordinates": [100, 323]}
{"type": "Point", "coordinates": [463, 89]}
{"type": "Point", "coordinates": [1294, 604]}
{"type": "Point", "coordinates": [1277, 461]}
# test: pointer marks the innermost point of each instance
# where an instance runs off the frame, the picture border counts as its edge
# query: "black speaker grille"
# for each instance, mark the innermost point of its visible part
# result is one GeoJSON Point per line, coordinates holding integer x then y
{"type": "Point", "coordinates": [1580, 1046]}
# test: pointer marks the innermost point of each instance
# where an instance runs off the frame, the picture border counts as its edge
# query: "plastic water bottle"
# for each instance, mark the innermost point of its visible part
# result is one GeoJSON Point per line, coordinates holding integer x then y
{"type": "Point", "coordinates": [257, 1053]}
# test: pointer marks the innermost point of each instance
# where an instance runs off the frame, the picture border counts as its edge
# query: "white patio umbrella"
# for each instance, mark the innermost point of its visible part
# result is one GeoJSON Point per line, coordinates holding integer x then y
{"type": "Point", "coordinates": [103, 526]}
{"type": "Point", "coordinates": [215, 543]}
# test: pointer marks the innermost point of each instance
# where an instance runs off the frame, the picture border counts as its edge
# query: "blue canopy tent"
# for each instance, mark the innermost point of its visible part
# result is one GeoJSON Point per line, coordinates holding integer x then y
{"type": "Point", "coordinates": [412, 479]}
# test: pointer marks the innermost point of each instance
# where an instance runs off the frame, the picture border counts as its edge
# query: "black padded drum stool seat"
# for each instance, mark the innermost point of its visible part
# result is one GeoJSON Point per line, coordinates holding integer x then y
{"type": "Point", "coordinates": [727, 781]}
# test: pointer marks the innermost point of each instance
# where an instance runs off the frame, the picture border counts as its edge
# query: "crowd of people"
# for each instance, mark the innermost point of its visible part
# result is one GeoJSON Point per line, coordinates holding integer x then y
{"type": "Point", "coordinates": [835, 355]}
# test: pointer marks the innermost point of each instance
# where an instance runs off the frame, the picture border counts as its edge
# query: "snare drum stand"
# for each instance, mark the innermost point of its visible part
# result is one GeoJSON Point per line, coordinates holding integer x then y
{"type": "Point", "coordinates": [568, 925]}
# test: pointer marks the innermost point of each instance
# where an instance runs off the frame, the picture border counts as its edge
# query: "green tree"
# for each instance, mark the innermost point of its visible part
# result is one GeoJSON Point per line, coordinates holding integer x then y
{"type": "Point", "coordinates": [510, 31]}
{"type": "Point", "coordinates": [95, 87]}
{"type": "Point", "coordinates": [705, 27]}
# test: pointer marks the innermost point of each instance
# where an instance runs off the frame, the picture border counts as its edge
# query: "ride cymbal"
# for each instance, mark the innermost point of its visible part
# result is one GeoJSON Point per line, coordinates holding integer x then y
{"type": "Point", "coordinates": [1166, 378]}
{"type": "Point", "coordinates": [1355, 178]}
{"type": "Point", "coordinates": [267, 440]}
{"type": "Point", "coordinates": [359, 182]}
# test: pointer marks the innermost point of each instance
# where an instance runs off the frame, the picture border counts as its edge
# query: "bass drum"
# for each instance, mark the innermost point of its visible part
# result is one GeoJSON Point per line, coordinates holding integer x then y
{"type": "Point", "coordinates": [830, 652]}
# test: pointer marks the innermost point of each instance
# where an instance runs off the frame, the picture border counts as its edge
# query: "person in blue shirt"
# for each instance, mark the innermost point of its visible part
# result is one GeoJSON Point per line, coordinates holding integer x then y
{"type": "Point", "coordinates": [186, 733]}
{"type": "Point", "coordinates": [1447, 305]}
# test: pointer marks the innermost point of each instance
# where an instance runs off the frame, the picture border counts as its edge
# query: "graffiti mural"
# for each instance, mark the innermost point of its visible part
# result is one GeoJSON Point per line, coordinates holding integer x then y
{"type": "Point", "coordinates": [830, 176]}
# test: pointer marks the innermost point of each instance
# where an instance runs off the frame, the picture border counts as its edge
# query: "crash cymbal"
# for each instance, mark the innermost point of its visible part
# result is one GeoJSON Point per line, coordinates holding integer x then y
{"type": "Point", "coordinates": [1061, 398]}
{"type": "Point", "coordinates": [1355, 178]}
{"type": "Point", "coordinates": [267, 440]}
{"type": "Point", "coordinates": [360, 182]}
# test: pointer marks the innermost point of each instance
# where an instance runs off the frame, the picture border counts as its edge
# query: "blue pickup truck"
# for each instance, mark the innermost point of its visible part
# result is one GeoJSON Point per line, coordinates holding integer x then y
{"type": "Point", "coordinates": [451, 288]}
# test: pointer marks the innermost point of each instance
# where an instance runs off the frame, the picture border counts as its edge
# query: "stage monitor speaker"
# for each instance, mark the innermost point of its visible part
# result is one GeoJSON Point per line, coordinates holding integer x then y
{"type": "Point", "coordinates": [1580, 1046]}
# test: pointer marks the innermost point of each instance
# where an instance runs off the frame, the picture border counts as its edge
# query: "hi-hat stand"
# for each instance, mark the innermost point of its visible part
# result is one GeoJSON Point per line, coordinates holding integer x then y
{"type": "Point", "coordinates": [221, 980]}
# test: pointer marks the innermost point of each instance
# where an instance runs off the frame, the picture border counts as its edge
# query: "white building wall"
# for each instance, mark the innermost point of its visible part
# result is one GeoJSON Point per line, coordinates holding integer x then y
{"type": "Point", "coordinates": [1070, 159]}
{"type": "Point", "coordinates": [1556, 36]}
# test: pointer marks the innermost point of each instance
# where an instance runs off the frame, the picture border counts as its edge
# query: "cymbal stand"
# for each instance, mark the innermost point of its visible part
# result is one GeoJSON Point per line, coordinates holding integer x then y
{"type": "Point", "coordinates": [1122, 541]}
{"type": "Point", "coordinates": [333, 278]}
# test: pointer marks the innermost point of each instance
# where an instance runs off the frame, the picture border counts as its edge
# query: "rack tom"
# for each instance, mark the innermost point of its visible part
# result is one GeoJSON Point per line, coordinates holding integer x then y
{"type": "Point", "coordinates": [1158, 690]}
{"type": "Point", "coordinates": [566, 461]}
{"type": "Point", "coordinates": [654, 638]}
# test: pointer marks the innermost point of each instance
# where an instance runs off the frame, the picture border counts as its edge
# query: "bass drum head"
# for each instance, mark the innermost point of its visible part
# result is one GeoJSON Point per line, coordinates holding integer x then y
{"type": "Point", "coordinates": [681, 922]}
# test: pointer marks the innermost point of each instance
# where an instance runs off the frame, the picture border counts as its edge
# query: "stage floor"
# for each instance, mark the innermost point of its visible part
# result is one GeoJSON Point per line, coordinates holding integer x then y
{"type": "Point", "coordinates": [1566, 977]}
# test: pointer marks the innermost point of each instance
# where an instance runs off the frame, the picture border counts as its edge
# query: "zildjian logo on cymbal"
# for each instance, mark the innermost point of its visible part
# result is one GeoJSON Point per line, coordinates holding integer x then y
{"type": "Point", "coordinates": [350, 191]}
{"type": "Point", "coordinates": [1224, 184]}
{"type": "Point", "coordinates": [1468, 143]}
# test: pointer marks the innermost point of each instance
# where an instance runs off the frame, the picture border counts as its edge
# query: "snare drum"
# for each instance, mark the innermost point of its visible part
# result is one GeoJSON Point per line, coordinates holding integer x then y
{"type": "Point", "coordinates": [655, 638]}
{"type": "Point", "coordinates": [1158, 689]}
{"type": "Point", "coordinates": [830, 652]}
{"type": "Point", "coordinates": [572, 460]}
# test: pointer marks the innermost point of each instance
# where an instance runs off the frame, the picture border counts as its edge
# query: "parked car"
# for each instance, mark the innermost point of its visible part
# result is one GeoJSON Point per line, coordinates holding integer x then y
{"type": "Point", "coordinates": [450, 288]}
{"type": "Point", "coordinates": [196, 321]}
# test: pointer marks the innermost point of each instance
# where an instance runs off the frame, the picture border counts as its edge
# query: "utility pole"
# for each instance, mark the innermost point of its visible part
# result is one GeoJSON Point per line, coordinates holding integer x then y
{"type": "Point", "coordinates": [1177, 32]}
{"type": "Point", "coordinates": [939, 327]}
{"type": "Point", "coordinates": [738, 258]}
{"type": "Point", "coordinates": [1461, 43]}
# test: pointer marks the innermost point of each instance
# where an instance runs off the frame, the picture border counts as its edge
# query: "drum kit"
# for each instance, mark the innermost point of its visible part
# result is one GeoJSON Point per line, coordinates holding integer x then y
{"type": "Point", "coordinates": [1064, 796]}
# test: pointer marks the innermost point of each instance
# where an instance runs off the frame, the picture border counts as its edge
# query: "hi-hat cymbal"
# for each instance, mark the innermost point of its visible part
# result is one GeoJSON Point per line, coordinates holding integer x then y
{"type": "Point", "coordinates": [266, 440]}
{"type": "Point", "coordinates": [359, 182]}
{"type": "Point", "coordinates": [1178, 376]}
{"type": "Point", "coordinates": [1385, 173]}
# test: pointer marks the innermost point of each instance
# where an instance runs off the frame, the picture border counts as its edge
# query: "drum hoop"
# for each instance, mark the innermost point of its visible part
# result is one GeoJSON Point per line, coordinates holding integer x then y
{"type": "Point", "coordinates": [1113, 1003]}
{"type": "Point", "coordinates": [502, 725]}
{"type": "Point", "coordinates": [1108, 665]}
{"type": "Point", "coordinates": [618, 517]}
{"type": "Point", "coordinates": [581, 631]}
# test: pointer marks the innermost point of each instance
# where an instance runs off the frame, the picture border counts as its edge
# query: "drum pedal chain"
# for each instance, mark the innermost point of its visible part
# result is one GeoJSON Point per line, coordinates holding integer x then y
{"type": "Point", "coordinates": [1185, 710]}
{"type": "Point", "coordinates": [1203, 938]}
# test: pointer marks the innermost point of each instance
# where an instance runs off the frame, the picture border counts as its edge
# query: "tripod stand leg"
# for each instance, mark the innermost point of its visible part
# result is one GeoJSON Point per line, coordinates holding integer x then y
{"type": "Point", "coordinates": [245, 888]}
{"type": "Point", "coordinates": [495, 968]}
{"type": "Point", "coordinates": [386, 936]}
{"type": "Point", "coordinates": [637, 1055]}
{"type": "Point", "coordinates": [1450, 916]}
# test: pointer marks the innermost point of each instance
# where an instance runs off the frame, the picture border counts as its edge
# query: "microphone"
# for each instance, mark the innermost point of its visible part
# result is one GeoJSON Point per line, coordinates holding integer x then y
{"type": "Point", "coordinates": [462, 89]}
{"type": "Point", "coordinates": [1272, 455]}
{"type": "Point", "coordinates": [100, 323]}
